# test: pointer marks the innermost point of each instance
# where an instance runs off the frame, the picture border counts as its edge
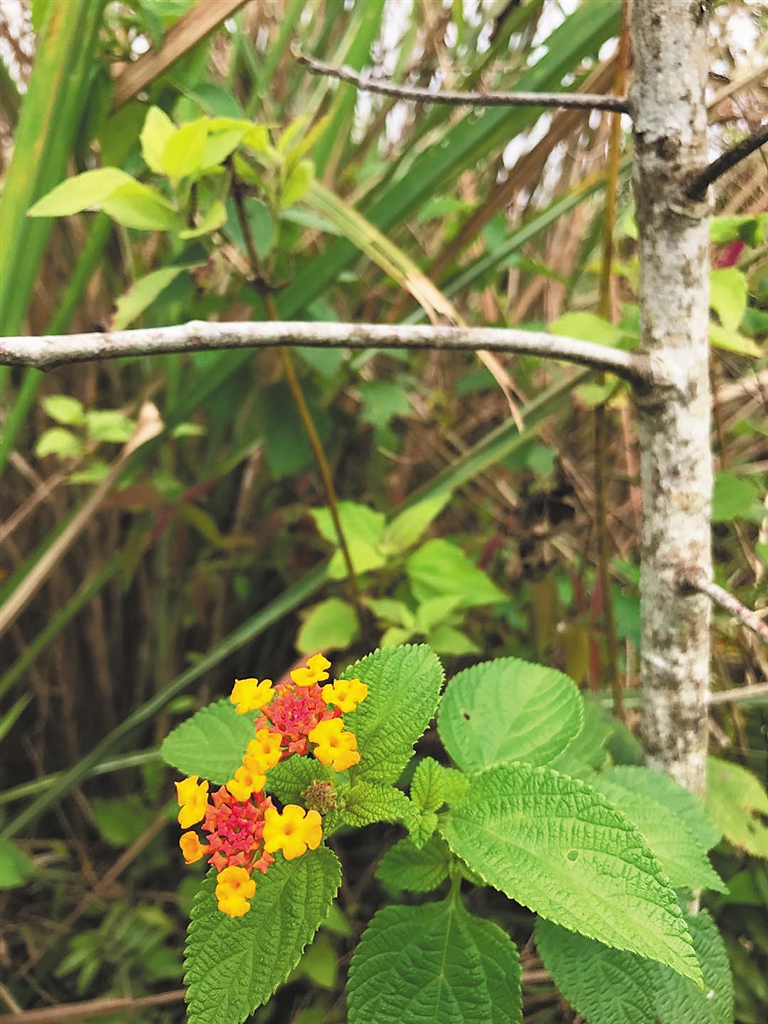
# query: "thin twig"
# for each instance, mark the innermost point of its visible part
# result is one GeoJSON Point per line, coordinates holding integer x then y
{"type": "Point", "coordinates": [698, 184]}
{"type": "Point", "coordinates": [47, 351]}
{"type": "Point", "coordinates": [695, 579]}
{"type": "Point", "coordinates": [92, 1008]}
{"type": "Point", "coordinates": [739, 693]}
{"type": "Point", "coordinates": [581, 101]}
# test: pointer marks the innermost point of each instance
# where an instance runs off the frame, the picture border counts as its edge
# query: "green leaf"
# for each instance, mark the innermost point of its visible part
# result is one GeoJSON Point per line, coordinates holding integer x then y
{"type": "Point", "coordinates": [684, 804]}
{"type": "Point", "coordinates": [64, 409]}
{"type": "Point", "coordinates": [737, 804]}
{"type": "Point", "coordinates": [142, 293]}
{"type": "Point", "coordinates": [381, 400]}
{"type": "Point", "coordinates": [58, 441]}
{"type": "Point", "coordinates": [121, 820]}
{"type": "Point", "coordinates": [407, 867]}
{"type": "Point", "coordinates": [211, 743]}
{"type": "Point", "coordinates": [82, 192]}
{"type": "Point", "coordinates": [108, 425]}
{"type": "Point", "coordinates": [15, 865]}
{"type": "Point", "coordinates": [297, 184]}
{"type": "Point", "coordinates": [158, 128]}
{"type": "Point", "coordinates": [329, 626]}
{"type": "Point", "coordinates": [748, 228]}
{"type": "Point", "coordinates": [291, 778]}
{"type": "Point", "coordinates": [611, 986]}
{"type": "Point", "coordinates": [427, 785]}
{"type": "Point", "coordinates": [388, 609]}
{"type": "Point", "coordinates": [184, 150]}
{"type": "Point", "coordinates": [681, 854]}
{"type": "Point", "coordinates": [444, 639]}
{"type": "Point", "coordinates": [234, 965]}
{"type": "Point", "coordinates": [434, 964]}
{"type": "Point", "coordinates": [728, 296]}
{"type": "Point", "coordinates": [213, 218]}
{"type": "Point", "coordinates": [560, 848]}
{"type": "Point", "coordinates": [439, 567]}
{"type": "Point", "coordinates": [367, 802]}
{"type": "Point", "coordinates": [404, 687]}
{"type": "Point", "coordinates": [733, 497]}
{"type": "Point", "coordinates": [262, 225]}
{"type": "Point", "coordinates": [138, 206]}
{"type": "Point", "coordinates": [362, 528]}
{"type": "Point", "coordinates": [732, 341]}
{"type": "Point", "coordinates": [406, 528]}
{"type": "Point", "coordinates": [587, 327]}
{"type": "Point", "coordinates": [508, 710]}
{"type": "Point", "coordinates": [435, 611]}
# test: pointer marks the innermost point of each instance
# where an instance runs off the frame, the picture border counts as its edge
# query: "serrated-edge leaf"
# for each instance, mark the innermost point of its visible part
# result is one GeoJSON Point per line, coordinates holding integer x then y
{"type": "Point", "coordinates": [403, 690]}
{"type": "Point", "coordinates": [560, 848]}
{"type": "Point", "coordinates": [234, 965]}
{"type": "Point", "coordinates": [291, 777]}
{"type": "Point", "coordinates": [211, 743]}
{"type": "Point", "coordinates": [405, 866]}
{"type": "Point", "coordinates": [367, 802]}
{"type": "Point", "coordinates": [427, 785]}
{"type": "Point", "coordinates": [434, 964]}
{"type": "Point", "coordinates": [508, 710]}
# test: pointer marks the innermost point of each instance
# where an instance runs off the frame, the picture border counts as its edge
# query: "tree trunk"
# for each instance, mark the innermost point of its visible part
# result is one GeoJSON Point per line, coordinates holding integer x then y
{"type": "Point", "coordinates": [670, 47]}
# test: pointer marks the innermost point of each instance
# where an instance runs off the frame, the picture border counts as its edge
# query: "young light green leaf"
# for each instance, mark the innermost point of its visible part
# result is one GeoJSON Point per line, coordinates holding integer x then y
{"type": "Point", "coordinates": [587, 327]}
{"type": "Point", "coordinates": [611, 986]}
{"type": "Point", "coordinates": [427, 785]}
{"type": "Point", "coordinates": [406, 528]}
{"type": "Point", "coordinates": [64, 409]}
{"type": "Point", "coordinates": [737, 804]}
{"type": "Point", "coordinates": [367, 802]}
{"type": "Point", "coordinates": [15, 865]}
{"type": "Point", "coordinates": [404, 687]}
{"type": "Point", "coordinates": [362, 527]}
{"type": "Point", "coordinates": [560, 848]}
{"type": "Point", "coordinates": [82, 192]}
{"type": "Point", "coordinates": [439, 567]}
{"type": "Point", "coordinates": [685, 805]}
{"type": "Point", "coordinates": [234, 965]}
{"type": "Point", "coordinates": [681, 854]}
{"type": "Point", "coordinates": [138, 206]}
{"type": "Point", "coordinates": [728, 296]}
{"type": "Point", "coordinates": [407, 867]}
{"type": "Point", "coordinates": [434, 964]}
{"type": "Point", "coordinates": [445, 639]}
{"type": "Point", "coordinates": [158, 128]}
{"type": "Point", "coordinates": [434, 611]}
{"type": "Point", "coordinates": [142, 293]}
{"type": "Point", "coordinates": [210, 744]}
{"type": "Point", "coordinates": [213, 218]}
{"type": "Point", "coordinates": [184, 150]}
{"type": "Point", "coordinates": [329, 626]}
{"type": "Point", "coordinates": [58, 441]}
{"type": "Point", "coordinates": [297, 184]}
{"type": "Point", "coordinates": [508, 710]}
{"type": "Point", "coordinates": [389, 610]}
{"type": "Point", "coordinates": [732, 341]}
{"type": "Point", "coordinates": [109, 425]}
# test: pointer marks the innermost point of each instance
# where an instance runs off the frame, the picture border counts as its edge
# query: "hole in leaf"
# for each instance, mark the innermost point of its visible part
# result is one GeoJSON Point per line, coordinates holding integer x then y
{"type": "Point", "coordinates": [573, 855]}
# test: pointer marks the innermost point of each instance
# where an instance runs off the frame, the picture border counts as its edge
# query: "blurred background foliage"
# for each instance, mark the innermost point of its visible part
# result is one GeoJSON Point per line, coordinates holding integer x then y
{"type": "Point", "coordinates": [490, 505]}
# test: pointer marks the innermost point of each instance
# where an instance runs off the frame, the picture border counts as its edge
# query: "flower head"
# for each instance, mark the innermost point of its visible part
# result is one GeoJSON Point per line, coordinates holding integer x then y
{"type": "Point", "coordinates": [335, 746]}
{"type": "Point", "coordinates": [292, 831]}
{"type": "Point", "coordinates": [234, 887]}
{"type": "Point", "coordinates": [193, 800]}
{"type": "Point", "coordinates": [235, 830]}
{"type": "Point", "coordinates": [250, 694]}
{"type": "Point", "coordinates": [346, 694]}
{"type": "Point", "coordinates": [315, 671]}
{"type": "Point", "coordinates": [294, 712]}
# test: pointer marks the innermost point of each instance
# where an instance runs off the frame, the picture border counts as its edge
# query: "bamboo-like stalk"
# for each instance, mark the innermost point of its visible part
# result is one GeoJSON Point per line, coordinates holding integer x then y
{"type": "Point", "coordinates": [670, 70]}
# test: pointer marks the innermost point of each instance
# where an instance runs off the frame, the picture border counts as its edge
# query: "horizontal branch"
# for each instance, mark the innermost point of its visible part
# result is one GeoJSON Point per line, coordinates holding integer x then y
{"type": "Point", "coordinates": [698, 184]}
{"type": "Point", "coordinates": [48, 351]}
{"type": "Point", "coordinates": [696, 580]}
{"type": "Point", "coordinates": [576, 100]}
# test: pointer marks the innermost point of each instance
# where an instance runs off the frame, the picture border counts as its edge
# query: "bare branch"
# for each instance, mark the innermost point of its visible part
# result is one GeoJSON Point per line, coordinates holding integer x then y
{"type": "Point", "coordinates": [698, 184]}
{"type": "Point", "coordinates": [739, 693]}
{"type": "Point", "coordinates": [581, 101]}
{"type": "Point", "coordinates": [695, 580]}
{"type": "Point", "coordinates": [52, 350]}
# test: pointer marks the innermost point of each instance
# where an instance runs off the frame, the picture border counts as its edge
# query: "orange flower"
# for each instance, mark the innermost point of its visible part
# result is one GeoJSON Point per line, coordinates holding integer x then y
{"type": "Point", "coordinates": [193, 800]}
{"type": "Point", "coordinates": [334, 746]}
{"type": "Point", "coordinates": [250, 694]}
{"type": "Point", "coordinates": [248, 779]}
{"type": "Point", "coordinates": [192, 848]}
{"type": "Point", "coordinates": [234, 887]}
{"type": "Point", "coordinates": [315, 672]}
{"type": "Point", "coordinates": [266, 749]}
{"type": "Point", "coordinates": [346, 694]}
{"type": "Point", "coordinates": [292, 831]}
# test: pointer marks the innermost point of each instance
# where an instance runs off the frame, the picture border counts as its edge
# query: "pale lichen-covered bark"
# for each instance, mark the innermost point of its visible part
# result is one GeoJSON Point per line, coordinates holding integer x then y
{"type": "Point", "coordinates": [669, 74]}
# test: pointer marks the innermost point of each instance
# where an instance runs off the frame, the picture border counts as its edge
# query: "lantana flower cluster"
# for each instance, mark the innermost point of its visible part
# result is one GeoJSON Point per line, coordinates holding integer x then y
{"type": "Point", "coordinates": [243, 828]}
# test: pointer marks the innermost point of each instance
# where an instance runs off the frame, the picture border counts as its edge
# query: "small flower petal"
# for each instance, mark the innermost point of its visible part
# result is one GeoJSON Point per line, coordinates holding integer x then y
{"type": "Point", "coordinates": [192, 848]}
{"type": "Point", "coordinates": [292, 831]}
{"type": "Point", "coordinates": [234, 887]}
{"type": "Point", "coordinates": [266, 749]}
{"type": "Point", "coordinates": [193, 800]}
{"type": "Point", "coordinates": [315, 671]}
{"type": "Point", "coordinates": [248, 779]}
{"type": "Point", "coordinates": [335, 746]}
{"type": "Point", "coordinates": [346, 694]}
{"type": "Point", "coordinates": [250, 694]}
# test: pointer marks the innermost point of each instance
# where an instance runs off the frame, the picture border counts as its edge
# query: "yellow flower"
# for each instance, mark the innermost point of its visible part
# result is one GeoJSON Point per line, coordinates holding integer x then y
{"type": "Point", "coordinates": [334, 746]}
{"type": "Point", "coordinates": [248, 779]}
{"type": "Point", "coordinates": [250, 694]}
{"type": "Point", "coordinates": [266, 749]}
{"type": "Point", "coordinates": [193, 800]}
{"type": "Point", "coordinates": [315, 672]}
{"type": "Point", "coordinates": [291, 831]}
{"type": "Point", "coordinates": [346, 694]}
{"type": "Point", "coordinates": [234, 887]}
{"type": "Point", "coordinates": [192, 848]}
